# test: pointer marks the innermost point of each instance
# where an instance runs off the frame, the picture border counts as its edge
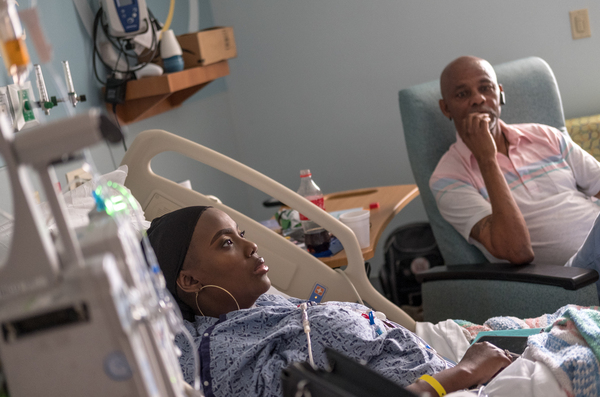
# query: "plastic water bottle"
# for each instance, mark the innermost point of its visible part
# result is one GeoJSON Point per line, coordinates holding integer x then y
{"type": "Point", "coordinates": [316, 238]}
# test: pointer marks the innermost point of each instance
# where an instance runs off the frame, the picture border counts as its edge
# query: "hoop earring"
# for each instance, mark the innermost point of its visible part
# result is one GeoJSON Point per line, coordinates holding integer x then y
{"type": "Point", "coordinates": [502, 98]}
{"type": "Point", "coordinates": [221, 288]}
{"type": "Point", "coordinates": [197, 305]}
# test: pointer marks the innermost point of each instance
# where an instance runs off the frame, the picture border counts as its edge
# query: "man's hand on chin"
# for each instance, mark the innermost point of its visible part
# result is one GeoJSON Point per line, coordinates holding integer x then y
{"type": "Point", "coordinates": [476, 134]}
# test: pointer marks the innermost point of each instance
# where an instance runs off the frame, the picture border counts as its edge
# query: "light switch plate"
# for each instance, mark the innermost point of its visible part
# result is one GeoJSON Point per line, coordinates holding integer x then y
{"type": "Point", "coordinates": [580, 24]}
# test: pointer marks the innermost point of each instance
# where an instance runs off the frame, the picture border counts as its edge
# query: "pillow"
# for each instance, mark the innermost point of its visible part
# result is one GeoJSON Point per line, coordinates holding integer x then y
{"type": "Point", "coordinates": [274, 291]}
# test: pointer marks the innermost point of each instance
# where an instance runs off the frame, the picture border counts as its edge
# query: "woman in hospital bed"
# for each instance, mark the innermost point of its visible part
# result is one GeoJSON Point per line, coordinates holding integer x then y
{"type": "Point", "coordinates": [246, 337]}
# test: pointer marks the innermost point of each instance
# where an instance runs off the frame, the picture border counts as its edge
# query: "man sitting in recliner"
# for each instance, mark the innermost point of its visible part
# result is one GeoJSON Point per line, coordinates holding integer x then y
{"type": "Point", "coordinates": [516, 191]}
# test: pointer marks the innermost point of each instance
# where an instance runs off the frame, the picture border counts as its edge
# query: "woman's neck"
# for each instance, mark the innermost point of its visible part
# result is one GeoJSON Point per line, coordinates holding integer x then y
{"type": "Point", "coordinates": [215, 301]}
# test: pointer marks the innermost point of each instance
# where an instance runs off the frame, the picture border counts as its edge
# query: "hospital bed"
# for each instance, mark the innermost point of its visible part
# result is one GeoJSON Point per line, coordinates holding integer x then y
{"type": "Point", "coordinates": [293, 270]}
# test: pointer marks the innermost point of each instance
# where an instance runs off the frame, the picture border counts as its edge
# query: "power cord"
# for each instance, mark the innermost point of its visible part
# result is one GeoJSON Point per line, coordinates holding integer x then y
{"type": "Point", "coordinates": [114, 108]}
{"type": "Point", "coordinates": [358, 298]}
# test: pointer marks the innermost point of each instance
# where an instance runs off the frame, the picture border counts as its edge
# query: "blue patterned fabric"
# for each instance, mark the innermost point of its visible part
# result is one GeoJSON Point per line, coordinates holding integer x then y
{"type": "Point", "coordinates": [243, 352]}
{"type": "Point", "coordinates": [565, 349]}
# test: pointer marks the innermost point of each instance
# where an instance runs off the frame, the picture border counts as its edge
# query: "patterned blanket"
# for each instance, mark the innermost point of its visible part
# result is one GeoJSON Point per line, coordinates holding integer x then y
{"type": "Point", "coordinates": [569, 345]}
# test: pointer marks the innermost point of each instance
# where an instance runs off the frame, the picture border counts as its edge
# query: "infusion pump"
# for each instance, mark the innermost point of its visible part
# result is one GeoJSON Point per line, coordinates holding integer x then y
{"type": "Point", "coordinates": [81, 312]}
{"type": "Point", "coordinates": [126, 18]}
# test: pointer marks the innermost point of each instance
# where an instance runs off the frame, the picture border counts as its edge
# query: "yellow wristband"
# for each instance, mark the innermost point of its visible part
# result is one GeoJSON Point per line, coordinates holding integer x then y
{"type": "Point", "coordinates": [437, 386]}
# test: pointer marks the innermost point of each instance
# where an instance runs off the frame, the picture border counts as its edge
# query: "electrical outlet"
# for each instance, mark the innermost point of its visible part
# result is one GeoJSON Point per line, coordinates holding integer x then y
{"type": "Point", "coordinates": [77, 178]}
{"type": "Point", "coordinates": [580, 24]}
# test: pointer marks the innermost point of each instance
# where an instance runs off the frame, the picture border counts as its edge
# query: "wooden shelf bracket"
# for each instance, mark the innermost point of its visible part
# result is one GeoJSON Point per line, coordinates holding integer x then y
{"type": "Point", "coordinates": [150, 96]}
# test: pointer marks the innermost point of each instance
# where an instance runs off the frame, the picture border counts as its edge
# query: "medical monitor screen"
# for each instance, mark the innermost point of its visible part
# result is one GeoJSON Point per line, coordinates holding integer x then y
{"type": "Point", "coordinates": [123, 3]}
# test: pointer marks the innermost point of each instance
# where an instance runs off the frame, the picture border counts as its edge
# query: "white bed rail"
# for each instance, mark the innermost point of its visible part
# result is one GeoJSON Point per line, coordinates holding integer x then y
{"type": "Point", "coordinates": [159, 195]}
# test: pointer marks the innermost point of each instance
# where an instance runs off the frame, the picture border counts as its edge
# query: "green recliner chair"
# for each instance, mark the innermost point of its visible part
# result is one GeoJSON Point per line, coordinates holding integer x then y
{"type": "Point", "coordinates": [468, 287]}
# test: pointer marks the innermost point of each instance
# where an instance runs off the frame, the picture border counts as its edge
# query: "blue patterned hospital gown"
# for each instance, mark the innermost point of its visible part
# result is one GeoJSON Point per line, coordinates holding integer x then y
{"type": "Point", "coordinates": [243, 352]}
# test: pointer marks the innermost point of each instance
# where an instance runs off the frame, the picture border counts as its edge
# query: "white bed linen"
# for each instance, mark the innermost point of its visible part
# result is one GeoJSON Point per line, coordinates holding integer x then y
{"type": "Point", "coordinates": [446, 337]}
{"type": "Point", "coordinates": [523, 378]}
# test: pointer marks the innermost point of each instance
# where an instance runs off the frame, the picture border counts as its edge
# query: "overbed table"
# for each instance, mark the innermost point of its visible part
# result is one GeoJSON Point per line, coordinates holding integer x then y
{"type": "Point", "coordinates": [391, 200]}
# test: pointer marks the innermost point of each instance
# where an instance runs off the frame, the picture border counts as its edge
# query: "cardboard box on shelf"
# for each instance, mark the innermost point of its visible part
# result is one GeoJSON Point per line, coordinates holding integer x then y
{"type": "Point", "coordinates": [207, 46]}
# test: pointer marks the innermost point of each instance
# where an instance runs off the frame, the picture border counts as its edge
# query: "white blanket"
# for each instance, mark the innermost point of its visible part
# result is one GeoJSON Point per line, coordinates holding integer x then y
{"type": "Point", "coordinates": [446, 337]}
{"type": "Point", "coordinates": [523, 378]}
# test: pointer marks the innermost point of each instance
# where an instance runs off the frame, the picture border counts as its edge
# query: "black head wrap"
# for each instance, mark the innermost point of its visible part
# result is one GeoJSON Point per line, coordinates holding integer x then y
{"type": "Point", "coordinates": [170, 237]}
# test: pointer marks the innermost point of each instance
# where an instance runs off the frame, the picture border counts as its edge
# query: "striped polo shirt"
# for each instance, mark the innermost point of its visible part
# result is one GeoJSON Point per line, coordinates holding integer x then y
{"type": "Point", "coordinates": [551, 179]}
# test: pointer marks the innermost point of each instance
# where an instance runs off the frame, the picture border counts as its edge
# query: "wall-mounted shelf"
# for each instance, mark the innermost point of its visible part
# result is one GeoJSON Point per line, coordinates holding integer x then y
{"type": "Point", "coordinates": [150, 96]}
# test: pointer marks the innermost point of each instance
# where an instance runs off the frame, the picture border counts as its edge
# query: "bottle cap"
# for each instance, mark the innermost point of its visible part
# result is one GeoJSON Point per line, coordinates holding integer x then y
{"type": "Point", "coordinates": [374, 205]}
{"type": "Point", "coordinates": [305, 173]}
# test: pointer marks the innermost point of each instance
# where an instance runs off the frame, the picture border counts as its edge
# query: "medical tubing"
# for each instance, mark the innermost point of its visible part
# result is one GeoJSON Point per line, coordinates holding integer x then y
{"type": "Point", "coordinates": [169, 17]}
{"type": "Point", "coordinates": [175, 321]}
{"type": "Point", "coordinates": [340, 271]}
{"type": "Point", "coordinates": [164, 298]}
{"type": "Point", "coordinates": [89, 161]}
{"type": "Point", "coordinates": [196, 355]}
{"type": "Point", "coordinates": [19, 106]}
{"type": "Point", "coordinates": [112, 157]}
{"type": "Point", "coordinates": [174, 317]}
{"type": "Point", "coordinates": [480, 391]}
{"type": "Point", "coordinates": [155, 274]}
{"type": "Point", "coordinates": [372, 322]}
{"type": "Point", "coordinates": [426, 345]}
{"type": "Point", "coordinates": [306, 327]}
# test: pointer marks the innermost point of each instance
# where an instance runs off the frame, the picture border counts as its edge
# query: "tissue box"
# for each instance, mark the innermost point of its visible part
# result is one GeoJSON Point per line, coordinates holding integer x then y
{"type": "Point", "coordinates": [207, 46]}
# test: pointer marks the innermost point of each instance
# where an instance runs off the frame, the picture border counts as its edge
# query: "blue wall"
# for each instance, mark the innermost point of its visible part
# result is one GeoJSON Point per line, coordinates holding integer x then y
{"type": "Point", "coordinates": [315, 82]}
{"type": "Point", "coordinates": [204, 118]}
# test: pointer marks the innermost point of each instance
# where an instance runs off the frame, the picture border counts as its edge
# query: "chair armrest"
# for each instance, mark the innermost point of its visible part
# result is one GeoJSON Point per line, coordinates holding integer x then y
{"type": "Point", "coordinates": [570, 278]}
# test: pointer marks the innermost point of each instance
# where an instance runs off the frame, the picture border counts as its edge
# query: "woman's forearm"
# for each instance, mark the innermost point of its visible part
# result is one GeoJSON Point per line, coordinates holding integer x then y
{"type": "Point", "coordinates": [481, 362]}
{"type": "Point", "coordinates": [451, 379]}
